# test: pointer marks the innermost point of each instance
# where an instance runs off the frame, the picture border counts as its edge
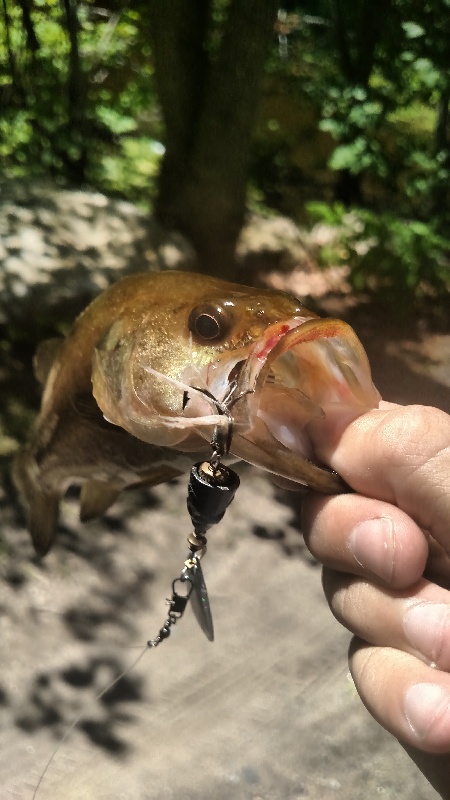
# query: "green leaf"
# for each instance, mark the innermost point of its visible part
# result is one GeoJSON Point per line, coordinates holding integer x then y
{"type": "Point", "coordinates": [116, 122]}
{"type": "Point", "coordinates": [412, 30]}
{"type": "Point", "coordinates": [349, 156]}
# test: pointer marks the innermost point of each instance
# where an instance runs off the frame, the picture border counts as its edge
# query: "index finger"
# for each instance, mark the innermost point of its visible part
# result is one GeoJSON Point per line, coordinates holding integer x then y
{"type": "Point", "coordinates": [400, 454]}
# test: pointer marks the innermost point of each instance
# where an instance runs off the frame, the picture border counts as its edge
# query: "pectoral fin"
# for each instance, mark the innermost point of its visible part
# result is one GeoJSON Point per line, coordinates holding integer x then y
{"type": "Point", "coordinates": [96, 497]}
{"type": "Point", "coordinates": [159, 474]}
{"type": "Point", "coordinates": [42, 507]}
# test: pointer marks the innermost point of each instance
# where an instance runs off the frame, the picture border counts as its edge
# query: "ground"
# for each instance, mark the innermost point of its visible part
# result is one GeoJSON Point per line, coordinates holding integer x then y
{"type": "Point", "coordinates": [267, 711]}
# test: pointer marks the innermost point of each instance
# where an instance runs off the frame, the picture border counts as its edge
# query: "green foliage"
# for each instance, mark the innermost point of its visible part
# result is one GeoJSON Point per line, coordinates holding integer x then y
{"type": "Point", "coordinates": [405, 259]}
{"type": "Point", "coordinates": [355, 109]}
{"type": "Point", "coordinates": [73, 101]}
{"type": "Point", "coordinates": [132, 170]}
{"type": "Point", "coordinates": [377, 79]}
{"type": "Point", "coordinates": [405, 255]}
{"type": "Point", "coordinates": [370, 118]}
{"type": "Point", "coordinates": [377, 118]}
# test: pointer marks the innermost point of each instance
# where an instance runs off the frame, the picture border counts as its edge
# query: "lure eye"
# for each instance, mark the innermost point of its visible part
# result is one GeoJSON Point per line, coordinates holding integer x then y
{"type": "Point", "coordinates": [209, 323]}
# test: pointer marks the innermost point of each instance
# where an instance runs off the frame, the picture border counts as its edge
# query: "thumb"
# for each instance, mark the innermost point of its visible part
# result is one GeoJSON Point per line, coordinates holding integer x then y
{"type": "Point", "coordinates": [400, 454]}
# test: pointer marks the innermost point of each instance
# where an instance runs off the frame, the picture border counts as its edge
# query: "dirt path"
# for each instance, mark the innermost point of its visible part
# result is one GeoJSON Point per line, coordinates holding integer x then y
{"type": "Point", "coordinates": [266, 712]}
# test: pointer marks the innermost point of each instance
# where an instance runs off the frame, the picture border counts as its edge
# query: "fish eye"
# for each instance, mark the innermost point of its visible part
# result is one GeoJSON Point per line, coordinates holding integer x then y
{"type": "Point", "coordinates": [209, 322]}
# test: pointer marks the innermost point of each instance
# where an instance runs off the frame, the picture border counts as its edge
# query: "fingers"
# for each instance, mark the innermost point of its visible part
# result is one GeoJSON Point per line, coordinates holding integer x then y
{"type": "Point", "coordinates": [415, 621]}
{"type": "Point", "coordinates": [410, 699]}
{"type": "Point", "coordinates": [397, 454]}
{"type": "Point", "coordinates": [376, 546]}
{"type": "Point", "coordinates": [400, 660]}
{"type": "Point", "coordinates": [366, 537]}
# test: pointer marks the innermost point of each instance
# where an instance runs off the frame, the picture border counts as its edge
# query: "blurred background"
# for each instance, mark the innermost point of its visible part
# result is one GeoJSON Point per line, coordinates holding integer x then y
{"type": "Point", "coordinates": [304, 146]}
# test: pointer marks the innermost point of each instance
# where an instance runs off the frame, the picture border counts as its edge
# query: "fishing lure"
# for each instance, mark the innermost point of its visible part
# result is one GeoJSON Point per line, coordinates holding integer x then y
{"type": "Point", "coordinates": [211, 488]}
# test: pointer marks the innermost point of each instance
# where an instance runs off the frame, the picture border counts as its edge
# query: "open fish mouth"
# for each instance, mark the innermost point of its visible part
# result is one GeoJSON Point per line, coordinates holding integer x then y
{"type": "Point", "coordinates": [294, 374]}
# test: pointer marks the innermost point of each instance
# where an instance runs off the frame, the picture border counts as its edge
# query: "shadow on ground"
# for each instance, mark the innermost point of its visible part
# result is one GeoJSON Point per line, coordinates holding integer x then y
{"type": "Point", "coordinates": [266, 711]}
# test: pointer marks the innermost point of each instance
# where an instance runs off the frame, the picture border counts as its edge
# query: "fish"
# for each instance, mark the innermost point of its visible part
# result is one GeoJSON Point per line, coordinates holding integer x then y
{"type": "Point", "coordinates": [160, 361]}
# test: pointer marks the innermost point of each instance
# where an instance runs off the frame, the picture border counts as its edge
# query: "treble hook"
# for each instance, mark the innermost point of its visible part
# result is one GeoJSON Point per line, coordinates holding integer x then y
{"type": "Point", "coordinates": [221, 441]}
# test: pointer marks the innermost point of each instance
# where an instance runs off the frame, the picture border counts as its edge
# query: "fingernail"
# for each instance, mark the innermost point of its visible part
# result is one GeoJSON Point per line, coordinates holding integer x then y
{"type": "Point", "coordinates": [423, 704]}
{"type": "Point", "coordinates": [372, 545]}
{"type": "Point", "coordinates": [426, 627]}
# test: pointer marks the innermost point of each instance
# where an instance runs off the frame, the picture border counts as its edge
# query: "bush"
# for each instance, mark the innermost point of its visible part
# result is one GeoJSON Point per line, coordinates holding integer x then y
{"type": "Point", "coordinates": [406, 258]}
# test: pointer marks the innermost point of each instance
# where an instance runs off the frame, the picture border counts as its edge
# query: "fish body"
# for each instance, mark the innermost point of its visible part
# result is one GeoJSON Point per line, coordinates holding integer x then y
{"type": "Point", "coordinates": [160, 360]}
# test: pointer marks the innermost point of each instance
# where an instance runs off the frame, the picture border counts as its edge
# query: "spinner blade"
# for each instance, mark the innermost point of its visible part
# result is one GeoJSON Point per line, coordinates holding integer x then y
{"type": "Point", "coordinates": [199, 597]}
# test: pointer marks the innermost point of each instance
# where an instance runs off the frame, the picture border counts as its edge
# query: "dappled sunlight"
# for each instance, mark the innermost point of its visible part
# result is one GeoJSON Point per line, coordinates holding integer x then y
{"type": "Point", "coordinates": [70, 625]}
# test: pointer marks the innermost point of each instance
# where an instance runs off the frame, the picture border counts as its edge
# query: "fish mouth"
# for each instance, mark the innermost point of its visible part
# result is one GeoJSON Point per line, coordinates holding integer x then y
{"type": "Point", "coordinates": [296, 373]}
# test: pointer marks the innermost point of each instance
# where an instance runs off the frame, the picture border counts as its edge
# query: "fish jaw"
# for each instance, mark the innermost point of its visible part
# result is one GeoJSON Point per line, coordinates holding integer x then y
{"type": "Point", "coordinates": [295, 374]}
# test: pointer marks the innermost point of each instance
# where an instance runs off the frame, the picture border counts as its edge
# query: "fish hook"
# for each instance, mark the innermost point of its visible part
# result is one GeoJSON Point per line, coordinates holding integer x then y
{"type": "Point", "coordinates": [221, 441]}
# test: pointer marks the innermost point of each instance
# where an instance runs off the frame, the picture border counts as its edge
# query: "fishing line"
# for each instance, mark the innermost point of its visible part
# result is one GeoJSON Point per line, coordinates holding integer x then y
{"type": "Point", "coordinates": [75, 722]}
{"type": "Point", "coordinates": [211, 489]}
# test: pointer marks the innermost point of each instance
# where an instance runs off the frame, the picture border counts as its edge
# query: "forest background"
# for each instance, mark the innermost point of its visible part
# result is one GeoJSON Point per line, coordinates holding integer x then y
{"type": "Point", "coordinates": [199, 111]}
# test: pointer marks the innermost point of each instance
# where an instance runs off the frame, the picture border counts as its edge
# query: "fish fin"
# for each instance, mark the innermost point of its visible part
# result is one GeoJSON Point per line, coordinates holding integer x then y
{"type": "Point", "coordinates": [95, 498]}
{"type": "Point", "coordinates": [153, 477]}
{"type": "Point", "coordinates": [45, 356]}
{"type": "Point", "coordinates": [42, 507]}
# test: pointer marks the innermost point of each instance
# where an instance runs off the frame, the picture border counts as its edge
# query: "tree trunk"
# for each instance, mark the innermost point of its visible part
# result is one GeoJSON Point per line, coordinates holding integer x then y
{"type": "Point", "coordinates": [9, 49]}
{"type": "Point", "coordinates": [27, 22]}
{"type": "Point", "coordinates": [442, 146]}
{"type": "Point", "coordinates": [76, 95]}
{"type": "Point", "coordinates": [208, 93]}
{"type": "Point", "coordinates": [357, 31]}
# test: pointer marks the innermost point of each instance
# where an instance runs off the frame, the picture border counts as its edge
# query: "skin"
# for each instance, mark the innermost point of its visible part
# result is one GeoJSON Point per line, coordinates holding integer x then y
{"type": "Point", "coordinates": [386, 556]}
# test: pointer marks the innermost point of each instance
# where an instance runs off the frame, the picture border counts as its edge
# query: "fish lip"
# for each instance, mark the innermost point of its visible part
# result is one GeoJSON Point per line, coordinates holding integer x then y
{"type": "Point", "coordinates": [331, 349]}
{"type": "Point", "coordinates": [257, 364]}
{"type": "Point", "coordinates": [285, 336]}
{"type": "Point", "coordinates": [328, 372]}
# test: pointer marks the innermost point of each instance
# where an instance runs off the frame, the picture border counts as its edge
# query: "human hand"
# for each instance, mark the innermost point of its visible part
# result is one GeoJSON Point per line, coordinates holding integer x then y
{"type": "Point", "coordinates": [385, 551]}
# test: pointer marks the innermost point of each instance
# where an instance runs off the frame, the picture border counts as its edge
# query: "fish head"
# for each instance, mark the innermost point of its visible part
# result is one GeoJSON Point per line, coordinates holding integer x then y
{"type": "Point", "coordinates": [203, 354]}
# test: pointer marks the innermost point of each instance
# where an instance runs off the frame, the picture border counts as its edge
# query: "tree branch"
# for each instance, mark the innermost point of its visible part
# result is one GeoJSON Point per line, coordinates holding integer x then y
{"type": "Point", "coordinates": [361, 24]}
{"type": "Point", "coordinates": [75, 83]}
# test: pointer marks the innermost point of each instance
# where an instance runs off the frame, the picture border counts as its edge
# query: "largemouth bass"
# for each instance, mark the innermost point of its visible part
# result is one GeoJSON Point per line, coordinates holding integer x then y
{"type": "Point", "coordinates": [156, 363]}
